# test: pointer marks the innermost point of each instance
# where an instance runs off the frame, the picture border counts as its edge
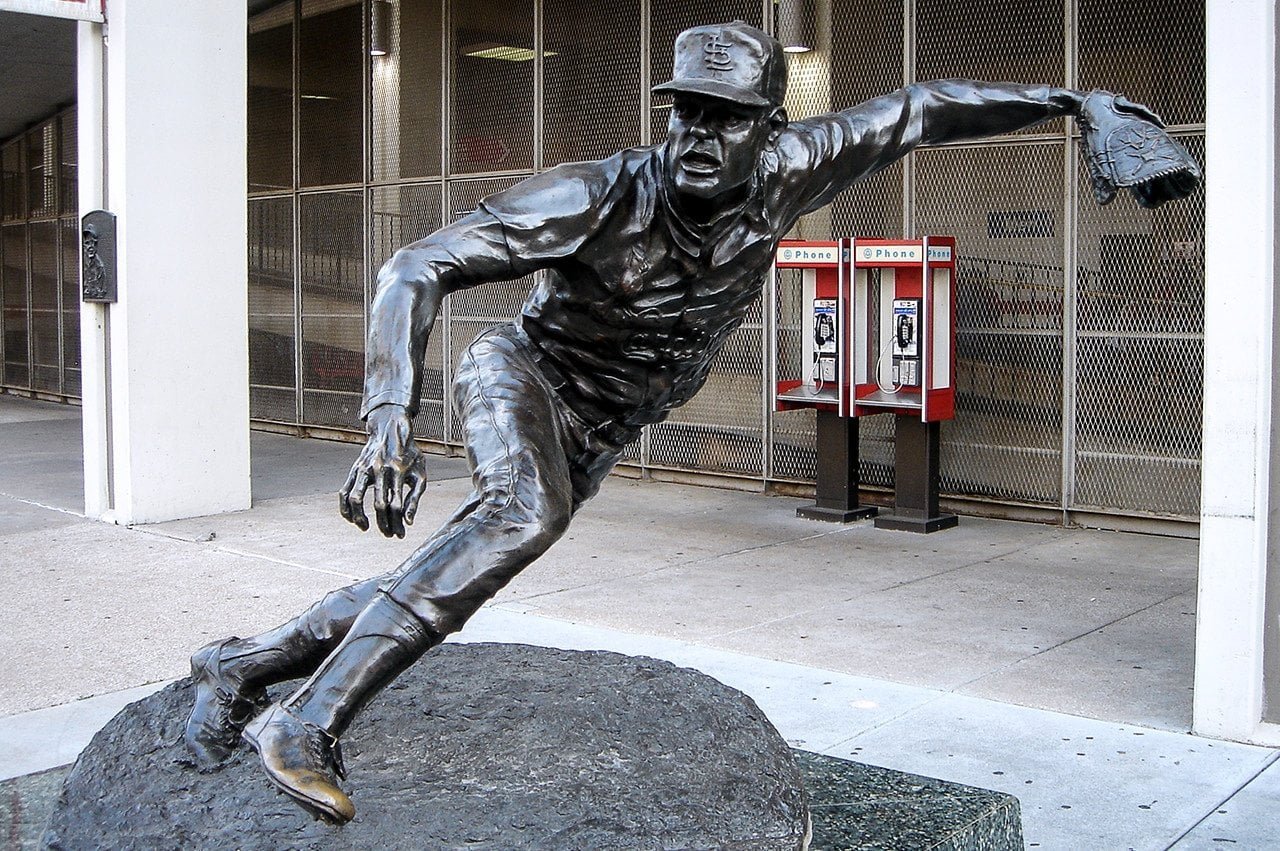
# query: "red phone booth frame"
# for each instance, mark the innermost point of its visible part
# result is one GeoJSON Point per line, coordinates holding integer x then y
{"type": "Point", "coordinates": [913, 264]}
{"type": "Point", "coordinates": [829, 261]}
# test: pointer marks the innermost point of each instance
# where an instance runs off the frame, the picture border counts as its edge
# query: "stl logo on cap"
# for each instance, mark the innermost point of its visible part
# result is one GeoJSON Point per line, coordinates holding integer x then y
{"type": "Point", "coordinates": [717, 55]}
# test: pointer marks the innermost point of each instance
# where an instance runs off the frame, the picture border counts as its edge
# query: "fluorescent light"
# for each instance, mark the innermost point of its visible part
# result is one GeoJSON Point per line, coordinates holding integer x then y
{"type": "Point", "coordinates": [503, 51]}
{"type": "Point", "coordinates": [796, 48]}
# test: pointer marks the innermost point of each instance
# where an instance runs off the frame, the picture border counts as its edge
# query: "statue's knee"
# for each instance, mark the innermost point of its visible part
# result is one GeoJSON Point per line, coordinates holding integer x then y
{"type": "Point", "coordinates": [538, 518]}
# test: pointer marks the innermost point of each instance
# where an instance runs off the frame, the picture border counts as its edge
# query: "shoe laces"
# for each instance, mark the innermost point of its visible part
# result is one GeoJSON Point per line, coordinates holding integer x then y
{"type": "Point", "coordinates": [325, 748]}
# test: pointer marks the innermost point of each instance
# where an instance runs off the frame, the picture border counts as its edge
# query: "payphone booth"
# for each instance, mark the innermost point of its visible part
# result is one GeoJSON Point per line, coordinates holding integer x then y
{"type": "Point", "coordinates": [810, 365]}
{"type": "Point", "coordinates": [869, 330]}
{"type": "Point", "coordinates": [903, 362]}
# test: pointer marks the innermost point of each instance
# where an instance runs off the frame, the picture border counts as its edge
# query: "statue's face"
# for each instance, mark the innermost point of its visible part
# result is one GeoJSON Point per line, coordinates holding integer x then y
{"type": "Point", "coordinates": [713, 145]}
{"type": "Point", "coordinates": [90, 245]}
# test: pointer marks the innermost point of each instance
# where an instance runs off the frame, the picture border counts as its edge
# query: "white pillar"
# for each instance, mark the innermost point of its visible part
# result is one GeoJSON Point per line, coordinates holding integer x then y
{"type": "Point", "coordinates": [1237, 478]}
{"type": "Point", "coordinates": [90, 177]}
{"type": "Point", "coordinates": [166, 367]}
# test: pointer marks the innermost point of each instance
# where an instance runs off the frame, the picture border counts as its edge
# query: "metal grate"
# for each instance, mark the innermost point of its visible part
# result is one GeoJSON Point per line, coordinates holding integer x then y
{"type": "Point", "coordinates": [68, 165]}
{"type": "Point", "coordinates": [1006, 439]}
{"type": "Point", "coordinates": [42, 170]}
{"type": "Point", "coordinates": [1021, 40]}
{"type": "Point", "coordinates": [866, 50]}
{"type": "Point", "coordinates": [269, 106]}
{"type": "Point", "coordinates": [331, 260]}
{"type": "Point", "coordinates": [1135, 291]}
{"type": "Point", "coordinates": [491, 120]}
{"type": "Point", "coordinates": [401, 215]}
{"type": "Point", "coordinates": [591, 77]}
{"type": "Point", "coordinates": [272, 336]}
{"type": "Point", "coordinates": [1140, 354]}
{"type": "Point", "coordinates": [70, 247]}
{"type": "Point", "coordinates": [406, 88]}
{"type": "Point", "coordinates": [990, 40]}
{"type": "Point", "coordinates": [794, 433]}
{"type": "Point", "coordinates": [17, 358]}
{"type": "Point", "coordinates": [13, 188]}
{"type": "Point", "coordinates": [330, 103]}
{"type": "Point", "coordinates": [1152, 50]}
{"type": "Point", "coordinates": [46, 346]}
{"type": "Point", "coordinates": [720, 430]}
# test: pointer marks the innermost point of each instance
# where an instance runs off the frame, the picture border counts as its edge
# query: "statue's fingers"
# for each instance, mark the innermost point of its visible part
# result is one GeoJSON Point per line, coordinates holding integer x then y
{"type": "Point", "coordinates": [416, 481]}
{"type": "Point", "coordinates": [351, 499]}
{"type": "Point", "coordinates": [395, 505]}
{"type": "Point", "coordinates": [381, 489]}
{"type": "Point", "coordinates": [344, 493]}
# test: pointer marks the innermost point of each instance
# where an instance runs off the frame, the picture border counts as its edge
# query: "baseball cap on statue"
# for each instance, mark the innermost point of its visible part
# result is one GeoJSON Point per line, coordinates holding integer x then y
{"type": "Point", "coordinates": [732, 61]}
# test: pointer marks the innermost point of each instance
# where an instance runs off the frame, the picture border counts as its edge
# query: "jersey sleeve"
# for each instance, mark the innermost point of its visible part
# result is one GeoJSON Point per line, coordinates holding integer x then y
{"type": "Point", "coordinates": [820, 156]}
{"type": "Point", "coordinates": [549, 216]}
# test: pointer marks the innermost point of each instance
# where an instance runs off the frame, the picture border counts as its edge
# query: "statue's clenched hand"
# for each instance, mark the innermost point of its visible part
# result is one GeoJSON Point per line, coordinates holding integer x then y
{"type": "Point", "coordinates": [393, 465]}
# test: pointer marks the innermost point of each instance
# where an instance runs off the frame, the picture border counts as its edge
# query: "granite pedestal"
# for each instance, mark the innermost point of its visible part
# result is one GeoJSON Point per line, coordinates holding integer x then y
{"type": "Point", "coordinates": [505, 746]}
{"type": "Point", "coordinates": [478, 746]}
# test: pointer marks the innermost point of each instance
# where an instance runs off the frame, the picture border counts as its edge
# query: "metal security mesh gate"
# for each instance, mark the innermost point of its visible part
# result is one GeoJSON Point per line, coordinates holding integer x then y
{"type": "Point", "coordinates": [1080, 328]}
{"type": "Point", "coordinates": [40, 261]}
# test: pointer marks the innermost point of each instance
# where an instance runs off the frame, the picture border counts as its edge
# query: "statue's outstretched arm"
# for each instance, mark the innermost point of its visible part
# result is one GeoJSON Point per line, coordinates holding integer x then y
{"type": "Point", "coordinates": [1124, 143]}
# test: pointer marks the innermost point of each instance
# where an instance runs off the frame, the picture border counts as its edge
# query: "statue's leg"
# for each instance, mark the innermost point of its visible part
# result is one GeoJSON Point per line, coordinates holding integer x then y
{"type": "Point", "coordinates": [517, 442]}
{"type": "Point", "coordinates": [231, 675]}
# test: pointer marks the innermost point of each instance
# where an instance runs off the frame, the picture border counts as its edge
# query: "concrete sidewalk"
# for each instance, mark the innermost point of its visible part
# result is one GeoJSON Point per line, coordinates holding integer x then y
{"type": "Point", "coordinates": [1050, 663]}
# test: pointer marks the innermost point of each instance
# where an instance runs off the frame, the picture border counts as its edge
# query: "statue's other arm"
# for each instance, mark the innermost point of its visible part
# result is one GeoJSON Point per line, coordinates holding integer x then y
{"type": "Point", "coordinates": [957, 110]}
{"type": "Point", "coordinates": [514, 233]}
{"type": "Point", "coordinates": [411, 287]}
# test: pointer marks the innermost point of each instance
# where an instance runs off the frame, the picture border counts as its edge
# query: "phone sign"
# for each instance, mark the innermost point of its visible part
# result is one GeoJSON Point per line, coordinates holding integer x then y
{"type": "Point", "coordinates": [808, 255]}
{"type": "Point", "coordinates": [890, 254]}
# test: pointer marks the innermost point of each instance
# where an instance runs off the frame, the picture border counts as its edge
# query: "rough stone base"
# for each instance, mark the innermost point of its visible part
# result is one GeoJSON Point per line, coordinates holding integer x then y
{"type": "Point", "coordinates": [482, 746]}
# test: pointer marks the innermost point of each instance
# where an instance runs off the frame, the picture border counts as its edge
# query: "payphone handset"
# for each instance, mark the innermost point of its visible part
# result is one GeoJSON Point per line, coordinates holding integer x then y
{"type": "Point", "coordinates": [826, 346]}
{"type": "Point", "coordinates": [905, 342]}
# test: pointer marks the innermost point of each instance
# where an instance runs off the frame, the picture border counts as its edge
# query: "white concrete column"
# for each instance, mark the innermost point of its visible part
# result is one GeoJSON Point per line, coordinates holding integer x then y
{"type": "Point", "coordinates": [1237, 479]}
{"type": "Point", "coordinates": [91, 177]}
{"type": "Point", "coordinates": [166, 368]}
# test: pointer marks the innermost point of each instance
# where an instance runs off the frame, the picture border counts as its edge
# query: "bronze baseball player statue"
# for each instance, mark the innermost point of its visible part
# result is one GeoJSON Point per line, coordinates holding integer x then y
{"type": "Point", "coordinates": [652, 258]}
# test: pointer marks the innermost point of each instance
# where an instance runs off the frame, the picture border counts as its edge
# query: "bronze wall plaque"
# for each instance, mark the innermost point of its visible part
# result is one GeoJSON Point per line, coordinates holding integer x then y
{"type": "Point", "coordinates": [98, 257]}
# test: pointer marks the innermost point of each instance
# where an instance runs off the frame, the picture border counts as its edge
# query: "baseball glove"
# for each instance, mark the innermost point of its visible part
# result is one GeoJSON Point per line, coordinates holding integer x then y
{"type": "Point", "coordinates": [1125, 147]}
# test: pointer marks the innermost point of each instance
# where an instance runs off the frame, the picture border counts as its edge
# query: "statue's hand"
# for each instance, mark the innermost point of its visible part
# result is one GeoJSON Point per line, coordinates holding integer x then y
{"type": "Point", "coordinates": [393, 465]}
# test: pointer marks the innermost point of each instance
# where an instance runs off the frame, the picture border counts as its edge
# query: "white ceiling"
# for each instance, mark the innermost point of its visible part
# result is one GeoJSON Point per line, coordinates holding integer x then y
{"type": "Point", "coordinates": [38, 67]}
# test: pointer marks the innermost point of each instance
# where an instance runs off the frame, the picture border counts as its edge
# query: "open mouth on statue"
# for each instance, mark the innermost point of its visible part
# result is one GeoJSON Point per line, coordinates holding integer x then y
{"type": "Point", "coordinates": [698, 163]}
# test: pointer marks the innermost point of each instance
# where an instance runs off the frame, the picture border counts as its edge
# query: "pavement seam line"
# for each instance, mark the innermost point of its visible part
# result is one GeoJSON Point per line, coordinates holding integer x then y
{"type": "Point", "coordinates": [842, 530]}
{"type": "Point", "coordinates": [692, 561]}
{"type": "Point", "coordinates": [245, 553]}
{"type": "Point", "coordinates": [1181, 836]}
{"type": "Point", "coordinates": [895, 586]}
{"type": "Point", "coordinates": [37, 504]}
{"type": "Point", "coordinates": [1073, 638]}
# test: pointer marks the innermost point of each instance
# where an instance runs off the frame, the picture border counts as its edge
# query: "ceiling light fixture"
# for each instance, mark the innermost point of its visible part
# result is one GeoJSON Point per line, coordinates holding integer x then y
{"type": "Point", "coordinates": [796, 25]}
{"type": "Point", "coordinates": [380, 27]}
